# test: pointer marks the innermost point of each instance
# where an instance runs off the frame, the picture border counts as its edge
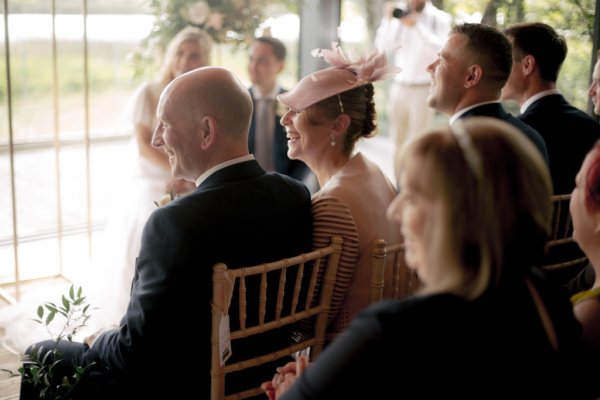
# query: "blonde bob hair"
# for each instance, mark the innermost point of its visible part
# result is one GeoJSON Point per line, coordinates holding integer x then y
{"type": "Point", "coordinates": [189, 33]}
{"type": "Point", "coordinates": [494, 189]}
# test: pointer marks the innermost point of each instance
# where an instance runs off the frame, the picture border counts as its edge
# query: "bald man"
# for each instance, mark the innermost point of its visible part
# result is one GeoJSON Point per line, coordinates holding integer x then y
{"type": "Point", "coordinates": [238, 214]}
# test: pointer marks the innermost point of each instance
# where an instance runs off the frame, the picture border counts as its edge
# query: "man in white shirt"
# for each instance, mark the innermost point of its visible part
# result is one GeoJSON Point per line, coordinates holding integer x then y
{"type": "Point", "coordinates": [413, 41]}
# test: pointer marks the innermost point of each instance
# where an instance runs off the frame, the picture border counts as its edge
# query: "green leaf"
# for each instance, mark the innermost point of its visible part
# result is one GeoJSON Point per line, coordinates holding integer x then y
{"type": "Point", "coordinates": [71, 292]}
{"type": "Point", "coordinates": [40, 312]}
{"type": "Point", "coordinates": [79, 291]}
{"type": "Point", "coordinates": [51, 307]}
{"type": "Point", "coordinates": [66, 304]}
{"type": "Point", "coordinates": [50, 317]}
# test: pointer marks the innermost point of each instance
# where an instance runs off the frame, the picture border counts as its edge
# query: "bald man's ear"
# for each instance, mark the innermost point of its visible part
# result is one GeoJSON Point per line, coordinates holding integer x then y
{"type": "Point", "coordinates": [474, 74]}
{"type": "Point", "coordinates": [207, 130]}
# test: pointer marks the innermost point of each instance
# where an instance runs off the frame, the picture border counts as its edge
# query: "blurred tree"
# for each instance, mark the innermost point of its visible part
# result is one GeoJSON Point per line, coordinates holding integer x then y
{"type": "Point", "coordinates": [233, 22]}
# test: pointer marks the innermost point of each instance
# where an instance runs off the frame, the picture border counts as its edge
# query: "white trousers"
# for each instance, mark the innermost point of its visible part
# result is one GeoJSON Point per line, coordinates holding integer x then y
{"type": "Point", "coordinates": [408, 114]}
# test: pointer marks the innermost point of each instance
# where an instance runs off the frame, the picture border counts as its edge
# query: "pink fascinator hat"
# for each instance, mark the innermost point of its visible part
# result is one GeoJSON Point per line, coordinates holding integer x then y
{"type": "Point", "coordinates": [345, 74]}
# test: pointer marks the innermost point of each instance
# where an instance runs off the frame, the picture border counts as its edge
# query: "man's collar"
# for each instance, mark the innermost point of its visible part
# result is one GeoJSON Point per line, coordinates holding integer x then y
{"type": "Point", "coordinates": [457, 114]}
{"type": "Point", "coordinates": [222, 165]}
{"type": "Point", "coordinates": [536, 97]}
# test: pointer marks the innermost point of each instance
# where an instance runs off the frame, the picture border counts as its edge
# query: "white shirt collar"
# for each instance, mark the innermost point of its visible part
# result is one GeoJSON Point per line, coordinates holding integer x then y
{"type": "Point", "coordinates": [536, 97]}
{"type": "Point", "coordinates": [222, 165]}
{"type": "Point", "coordinates": [457, 114]}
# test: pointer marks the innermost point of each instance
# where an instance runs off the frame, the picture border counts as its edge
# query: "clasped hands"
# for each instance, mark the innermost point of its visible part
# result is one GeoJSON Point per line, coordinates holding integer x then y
{"type": "Point", "coordinates": [285, 377]}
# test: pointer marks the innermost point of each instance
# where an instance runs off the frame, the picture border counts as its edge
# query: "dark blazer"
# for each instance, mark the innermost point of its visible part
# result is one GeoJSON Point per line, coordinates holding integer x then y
{"type": "Point", "coordinates": [496, 110]}
{"type": "Point", "coordinates": [240, 216]}
{"type": "Point", "coordinates": [294, 168]}
{"type": "Point", "coordinates": [501, 326]}
{"type": "Point", "coordinates": [569, 134]}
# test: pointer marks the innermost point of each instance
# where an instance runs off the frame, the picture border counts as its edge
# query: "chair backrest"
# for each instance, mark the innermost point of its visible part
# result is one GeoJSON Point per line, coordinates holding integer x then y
{"type": "Point", "coordinates": [291, 270]}
{"type": "Point", "coordinates": [390, 256]}
{"type": "Point", "coordinates": [564, 259]}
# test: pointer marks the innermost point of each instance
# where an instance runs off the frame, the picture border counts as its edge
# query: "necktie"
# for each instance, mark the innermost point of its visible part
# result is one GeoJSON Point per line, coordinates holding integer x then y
{"type": "Point", "coordinates": [265, 124]}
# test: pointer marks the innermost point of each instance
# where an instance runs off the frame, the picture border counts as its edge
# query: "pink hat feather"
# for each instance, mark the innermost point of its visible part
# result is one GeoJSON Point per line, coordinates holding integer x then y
{"type": "Point", "coordinates": [345, 74]}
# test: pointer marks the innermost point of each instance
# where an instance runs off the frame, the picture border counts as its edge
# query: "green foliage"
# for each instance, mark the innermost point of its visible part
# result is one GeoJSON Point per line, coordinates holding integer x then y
{"type": "Point", "coordinates": [232, 22]}
{"type": "Point", "coordinates": [32, 69]}
{"type": "Point", "coordinates": [41, 366]}
{"type": "Point", "coordinates": [573, 80]}
{"type": "Point", "coordinates": [572, 18]}
{"type": "Point", "coordinates": [574, 15]}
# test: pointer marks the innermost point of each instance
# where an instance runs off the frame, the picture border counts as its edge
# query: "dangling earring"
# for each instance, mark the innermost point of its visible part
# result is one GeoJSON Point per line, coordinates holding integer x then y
{"type": "Point", "coordinates": [332, 140]}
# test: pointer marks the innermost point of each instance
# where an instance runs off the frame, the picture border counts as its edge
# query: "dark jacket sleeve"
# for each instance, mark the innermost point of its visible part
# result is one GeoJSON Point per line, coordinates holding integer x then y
{"type": "Point", "coordinates": [150, 308]}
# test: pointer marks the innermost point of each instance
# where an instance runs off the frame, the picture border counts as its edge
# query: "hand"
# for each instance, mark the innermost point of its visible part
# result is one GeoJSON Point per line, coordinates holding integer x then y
{"type": "Point", "coordinates": [89, 340]}
{"type": "Point", "coordinates": [285, 377]}
{"type": "Point", "coordinates": [409, 20]}
{"type": "Point", "coordinates": [388, 9]}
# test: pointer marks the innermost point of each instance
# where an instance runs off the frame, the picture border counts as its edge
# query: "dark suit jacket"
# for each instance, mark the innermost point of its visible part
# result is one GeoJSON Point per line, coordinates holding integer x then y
{"type": "Point", "coordinates": [294, 168]}
{"type": "Point", "coordinates": [496, 110]}
{"type": "Point", "coordinates": [240, 216]}
{"type": "Point", "coordinates": [569, 134]}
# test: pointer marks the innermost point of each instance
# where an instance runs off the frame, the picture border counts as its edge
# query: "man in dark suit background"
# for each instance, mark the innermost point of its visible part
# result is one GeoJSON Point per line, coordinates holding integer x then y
{"type": "Point", "coordinates": [267, 138]}
{"type": "Point", "coordinates": [538, 54]}
{"type": "Point", "coordinates": [238, 214]}
{"type": "Point", "coordinates": [467, 78]}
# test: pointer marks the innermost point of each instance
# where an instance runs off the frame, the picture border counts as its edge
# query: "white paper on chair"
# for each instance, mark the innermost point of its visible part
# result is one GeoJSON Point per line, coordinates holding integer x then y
{"type": "Point", "coordinates": [224, 339]}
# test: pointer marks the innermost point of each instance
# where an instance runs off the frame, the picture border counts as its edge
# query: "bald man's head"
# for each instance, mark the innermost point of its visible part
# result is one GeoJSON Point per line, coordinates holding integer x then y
{"type": "Point", "coordinates": [204, 117]}
{"type": "Point", "coordinates": [217, 92]}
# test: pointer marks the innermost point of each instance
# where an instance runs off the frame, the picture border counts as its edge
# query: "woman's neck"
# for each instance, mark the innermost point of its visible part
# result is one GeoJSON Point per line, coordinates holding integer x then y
{"type": "Point", "coordinates": [326, 168]}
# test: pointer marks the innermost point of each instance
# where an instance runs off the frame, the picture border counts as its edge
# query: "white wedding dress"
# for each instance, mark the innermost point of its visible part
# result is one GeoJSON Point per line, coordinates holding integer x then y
{"type": "Point", "coordinates": [108, 282]}
{"type": "Point", "coordinates": [146, 182]}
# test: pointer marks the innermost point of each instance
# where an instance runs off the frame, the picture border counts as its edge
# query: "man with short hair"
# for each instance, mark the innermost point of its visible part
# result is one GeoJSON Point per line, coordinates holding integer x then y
{"type": "Point", "coordinates": [238, 214]}
{"type": "Point", "coordinates": [538, 52]}
{"type": "Point", "coordinates": [468, 75]}
{"type": "Point", "coordinates": [267, 138]}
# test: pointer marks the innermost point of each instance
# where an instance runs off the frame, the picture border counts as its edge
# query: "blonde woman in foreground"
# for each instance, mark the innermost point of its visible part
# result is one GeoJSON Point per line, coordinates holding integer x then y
{"type": "Point", "coordinates": [484, 315]}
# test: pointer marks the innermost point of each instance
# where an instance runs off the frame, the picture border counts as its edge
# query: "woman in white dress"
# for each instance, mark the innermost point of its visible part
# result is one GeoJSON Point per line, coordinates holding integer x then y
{"type": "Point", "coordinates": [150, 180]}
